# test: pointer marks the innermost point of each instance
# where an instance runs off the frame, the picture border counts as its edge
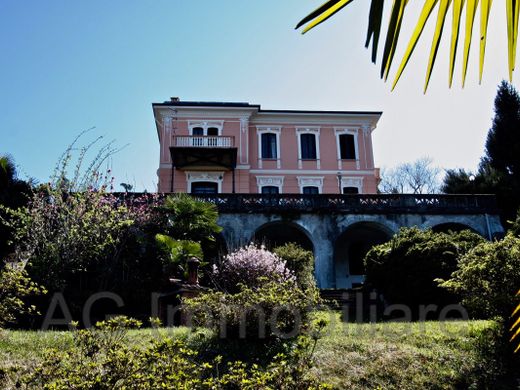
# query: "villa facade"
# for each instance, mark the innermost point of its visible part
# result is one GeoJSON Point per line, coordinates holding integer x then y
{"type": "Point", "coordinates": [209, 147]}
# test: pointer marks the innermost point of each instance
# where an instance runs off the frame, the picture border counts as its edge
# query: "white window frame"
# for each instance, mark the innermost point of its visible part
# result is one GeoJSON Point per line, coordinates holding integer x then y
{"type": "Point", "coordinates": [268, 130]}
{"type": "Point", "coordinates": [310, 181]}
{"type": "Point", "coordinates": [308, 130]}
{"type": "Point", "coordinates": [205, 126]}
{"type": "Point", "coordinates": [197, 177]}
{"type": "Point", "coordinates": [347, 130]}
{"type": "Point", "coordinates": [271, 181]}
{"type": "Point", "coordinates": [356, 182]}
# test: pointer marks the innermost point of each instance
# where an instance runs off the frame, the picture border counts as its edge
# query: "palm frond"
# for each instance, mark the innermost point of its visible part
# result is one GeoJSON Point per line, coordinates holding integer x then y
{"type": "Point", "coordinates": [397, 12]}
{"type": "Point", "coordinates": [515, 328]}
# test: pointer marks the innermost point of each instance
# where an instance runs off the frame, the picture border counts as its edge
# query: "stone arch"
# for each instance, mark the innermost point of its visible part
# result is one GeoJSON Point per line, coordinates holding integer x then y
{"type": "Point", "coordinates": [350, 248]}
{"type": "Point", "coordinates": [453, 227]}
{"type": "Point", "coordinates": [457, 223]}
{"type": "Point", "coordinates": [276, 233]}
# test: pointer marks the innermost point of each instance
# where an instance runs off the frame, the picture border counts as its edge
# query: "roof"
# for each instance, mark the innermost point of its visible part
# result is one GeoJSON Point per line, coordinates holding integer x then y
{"type": "Point", "coordinates": [179, 103]}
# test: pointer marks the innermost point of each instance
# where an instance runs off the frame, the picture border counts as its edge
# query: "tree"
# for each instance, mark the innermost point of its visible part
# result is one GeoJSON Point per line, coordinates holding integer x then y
{"type": "Point", "coordinates": [499, 168]}
{"type": "Point", "coordinates": [394, 28]}
{"type": "Point", "coordinates": [418, 177]}
{"type": "Point", "coordinates": [404, 269]}
{"type": "Point", "coordinates": [14, 193]}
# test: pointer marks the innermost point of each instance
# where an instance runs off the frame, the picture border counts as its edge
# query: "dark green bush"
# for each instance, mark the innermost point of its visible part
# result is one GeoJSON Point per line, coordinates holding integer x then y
{"type": "Point", "coordinates": [300, 261]}
{"type": "Point", "coordinates": [271, 311]}
{"type": "Point", "coordinates": [102, 360]}
{"type": "Point", "coordinates": [404, 269]}
{"type": "Point", "coordinates": [15, 285]}
{"type": "Point", "coordinates": [488, 278]}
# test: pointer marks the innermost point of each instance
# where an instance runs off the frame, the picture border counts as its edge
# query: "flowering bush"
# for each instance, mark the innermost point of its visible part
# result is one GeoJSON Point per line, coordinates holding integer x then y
{"type": "Point", "coordinates": [248, 266]}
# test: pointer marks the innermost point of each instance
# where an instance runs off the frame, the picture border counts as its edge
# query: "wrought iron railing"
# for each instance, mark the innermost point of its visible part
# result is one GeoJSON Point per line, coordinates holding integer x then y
{"type": "Point", "coordinates": [345, 204]}
{"type": "Point", "coordinates": [411, 204]}
{"type": "Point", "coordinates": [199, 141]}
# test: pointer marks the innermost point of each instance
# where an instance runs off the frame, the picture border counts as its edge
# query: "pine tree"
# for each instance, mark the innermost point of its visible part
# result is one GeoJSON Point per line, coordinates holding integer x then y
{"type": "Point", "coordinates": [499, 169]}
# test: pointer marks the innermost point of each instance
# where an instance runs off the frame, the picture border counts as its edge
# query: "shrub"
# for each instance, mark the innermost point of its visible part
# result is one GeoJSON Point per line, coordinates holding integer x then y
{"type": "Point", "coordinates": [271, 311]}
{"type": "Point", "coordinates": [488, 277]}
{"type": "Point", "coordinates": [405, 268]}
{"type": "Point", "coordinates": [299, 261]}
{"type": "Point", "coordinates": [15, 285]}
{"type": "Point", "coordinates": [247, 265]}
{"type": "Point", "coordinates": [103, 359]}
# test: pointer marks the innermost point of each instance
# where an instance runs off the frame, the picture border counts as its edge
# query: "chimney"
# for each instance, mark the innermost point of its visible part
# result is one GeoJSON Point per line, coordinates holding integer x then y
{"type": "Point", "coordinates": [175, 99]}
{"type": "Point", "coordinates": [193, 271]}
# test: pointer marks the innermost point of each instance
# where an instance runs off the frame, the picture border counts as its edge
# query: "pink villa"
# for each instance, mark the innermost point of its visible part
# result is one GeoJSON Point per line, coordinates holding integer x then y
{"type": "Point", "coordinates": [232, 153]}
{"type": "Point", "coordinates": [218, 147]}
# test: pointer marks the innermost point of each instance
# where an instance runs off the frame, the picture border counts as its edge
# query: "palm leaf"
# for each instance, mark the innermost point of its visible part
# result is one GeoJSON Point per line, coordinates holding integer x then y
{"type": "Point", "coordinates": [428, 7]}
{"type": "Point", "coordinates": [485, 9]}
{"type": "Point", "coordinates": [375, 20]}
{"type": "Point", "coordinates": [327, 10]}
{"type": "Point", "coordinates": [331, 7]}
{"type": "Point", "coordinates": [392, 36]}
{"type": "Point", "coordinates": [443, 10]}
{"type": "Point", "coordinates": [471, 10]}
{"type": "Point", "coordinates": [516, 325]}
{"type": "Point", "coordinates": [458, 5]}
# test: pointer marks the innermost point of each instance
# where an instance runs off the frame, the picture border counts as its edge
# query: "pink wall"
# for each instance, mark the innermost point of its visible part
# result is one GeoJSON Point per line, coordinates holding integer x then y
{"type": "Point", "coordinates": [289, 167]}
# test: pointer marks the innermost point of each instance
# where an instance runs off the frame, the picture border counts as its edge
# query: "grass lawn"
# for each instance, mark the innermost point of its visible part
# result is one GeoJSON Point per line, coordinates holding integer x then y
{"type": "Point", "coordinates": [359, 356]}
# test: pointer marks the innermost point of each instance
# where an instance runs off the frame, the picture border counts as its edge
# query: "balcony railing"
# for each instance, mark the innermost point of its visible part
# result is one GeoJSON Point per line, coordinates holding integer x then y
{"type": "Point", "coordinates": [356, 204]}
{"type": "Point", "coordinates": [344, 204]}
{"type": "Point", "coordinates": [200, 141]}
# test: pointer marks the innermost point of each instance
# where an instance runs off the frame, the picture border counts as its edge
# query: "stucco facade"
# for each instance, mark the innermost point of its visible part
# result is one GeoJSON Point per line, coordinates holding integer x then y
{"type": "Point", "coordinates": [208, 147]}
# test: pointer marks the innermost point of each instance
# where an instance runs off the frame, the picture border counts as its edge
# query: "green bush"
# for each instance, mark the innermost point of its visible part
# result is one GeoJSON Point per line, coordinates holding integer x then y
{"type": "Point", "coordinates": [404, 269]}
{"type": "Point", "coordinates": [15, 285]}
{"type": "Point", "coordinates": [488, 278]}
{"type": "Point", "coordinates": [102, 359]}
{"type": "Point", "coordinates": [300, 261]}
{"type": "Point", "coordinates": [271, 311]}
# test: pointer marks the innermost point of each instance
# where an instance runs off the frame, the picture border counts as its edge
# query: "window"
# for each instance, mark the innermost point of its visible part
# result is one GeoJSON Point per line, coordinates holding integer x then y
{"type": "Point", "coordinates": [347, 147]}
{"type": "Point", "coordinates": [269, 146]}
{"type": "Point", "coordinates": [308, 146]}
{"type": "Point", "coordinates": [310, 190]}
{"type": "Point", "coordinates": [350, 190]}
{"type": "Point", "coordinates": [198, 131]}
{"type": "Point", "coordinates": [270, 190]}
{"type": "Point", "coordinates": [204, 187]}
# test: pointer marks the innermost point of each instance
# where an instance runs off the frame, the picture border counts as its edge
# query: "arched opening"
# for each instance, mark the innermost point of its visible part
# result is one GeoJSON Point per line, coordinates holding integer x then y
{"type": "Point", "coordinates": [350, 250]}
{"type": "Point", "coordinates": [452, 227]}
{"type": "Point", "coordinates": [279, 233]}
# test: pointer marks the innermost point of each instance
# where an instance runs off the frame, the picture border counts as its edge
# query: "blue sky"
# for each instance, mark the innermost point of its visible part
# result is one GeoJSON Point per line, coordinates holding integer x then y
{"type": "Point", "coordinates": [70, 65]}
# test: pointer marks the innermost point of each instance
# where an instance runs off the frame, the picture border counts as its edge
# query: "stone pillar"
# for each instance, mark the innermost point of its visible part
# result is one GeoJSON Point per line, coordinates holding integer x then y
{"type": "Point", "coordinates": [324, 262]}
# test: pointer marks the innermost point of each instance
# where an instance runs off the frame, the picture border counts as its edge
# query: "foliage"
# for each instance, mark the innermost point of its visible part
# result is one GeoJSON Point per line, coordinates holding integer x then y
{"type": "Point", "coordinates": [417, 177]}
{"type": "Point", "coordinates": [404, 269]}
{"type": "Point", "coordinates": [190, 219]}
{"type": "Point", "coordinates": [396, 18]}
{"type": "Point", "coordinates": [499, 169]}
{"type": "Point", "coordinates": [515, 227]}
{"type": "Point", "coordinates": [515, 328]}
{"type": "Point", "coordinates": [15, 285]}
{"type": "Point", "coordinates": [299, 261]}
{"type": "Point", "coordinates": [63, 234]}
{"type": "Point", "coordinates": [14, 193]}
{"type": "Point", "coordinates": [178, 253]}
{"type": "Point", "coordinates": [247, 266]}
{"type": "Point", "coordinates": [102, 359]}
{"type": "Point", "coordinates": [488, 277]}
{"type": "Point", "coordinates": [271, 311]}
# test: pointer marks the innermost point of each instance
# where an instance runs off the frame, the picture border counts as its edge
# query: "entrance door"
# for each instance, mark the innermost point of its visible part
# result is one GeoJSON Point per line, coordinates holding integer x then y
{"type": "Point", "coordinates": [204, 187]}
